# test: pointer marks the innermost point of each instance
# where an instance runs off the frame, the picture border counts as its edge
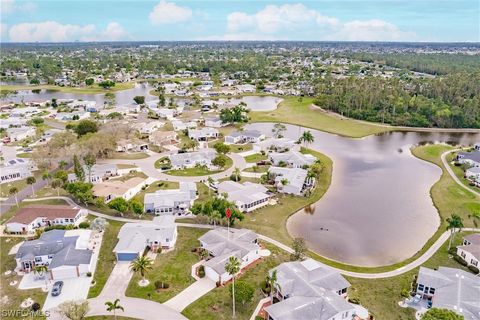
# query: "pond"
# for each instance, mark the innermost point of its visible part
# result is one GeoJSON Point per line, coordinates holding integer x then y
{"type": "Point", "coordinates": [378, 209]}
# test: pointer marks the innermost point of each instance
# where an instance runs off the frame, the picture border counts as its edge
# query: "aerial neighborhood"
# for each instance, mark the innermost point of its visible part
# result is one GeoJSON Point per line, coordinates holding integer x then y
{"type": "Point", "coordinates": [204, 181]}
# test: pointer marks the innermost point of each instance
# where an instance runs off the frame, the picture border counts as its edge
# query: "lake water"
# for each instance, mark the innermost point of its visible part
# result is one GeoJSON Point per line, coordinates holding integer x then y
{"type": "Point", "coordinates": [378, 209]}
{"type": "Point", "coordinates": [261, 103]}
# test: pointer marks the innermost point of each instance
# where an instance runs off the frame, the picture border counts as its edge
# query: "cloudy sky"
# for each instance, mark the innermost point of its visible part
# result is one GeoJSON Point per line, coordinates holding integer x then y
{"type": "Point", "coordinates": [350, 20]}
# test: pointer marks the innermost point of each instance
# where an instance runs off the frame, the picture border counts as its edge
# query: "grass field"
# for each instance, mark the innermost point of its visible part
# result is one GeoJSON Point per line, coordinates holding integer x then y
{"type": "Point", "coordinates": [271, 220]}
{"type": "Point", "coordinates": [217, 304]}
{"type": "Point", "coordinates": [106, 258]}
{"type": "Point", "coordinates": [94, 89]}
{"type": "Point", "coordinates": [296, 112]}
{"type": "Point", "coordinates": [256, 157]}
{"type": "Point", "coordinates": [129, 156]}
{"type": "Point", "coordinates": [172, 267]}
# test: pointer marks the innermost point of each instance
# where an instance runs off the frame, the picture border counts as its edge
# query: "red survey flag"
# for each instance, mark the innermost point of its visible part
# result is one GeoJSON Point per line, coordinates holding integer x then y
{"type": "Point", "coordinates": [228, 213]}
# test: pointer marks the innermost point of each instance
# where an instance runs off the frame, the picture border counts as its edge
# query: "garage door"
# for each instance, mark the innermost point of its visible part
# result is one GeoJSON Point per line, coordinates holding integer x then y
{"type": "Point", "coordinates": [212, 274]}
{"type": "Point", "coordinates": [64, 273]}
{"type": "Point", "coordinates": [124, 256]}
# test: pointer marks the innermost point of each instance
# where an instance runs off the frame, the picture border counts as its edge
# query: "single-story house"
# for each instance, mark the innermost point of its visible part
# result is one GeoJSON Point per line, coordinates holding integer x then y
{"type": "Point", "coordinates": [250, 88]}
{"type": "Point", "coordinates": [473, 173]}
{"type": "Point", "coordinates": [203, 134]}
{"type": "Point", "coordinates": [163, 138]}
{"type": "Point", "coordinates": [125, 145]}
{"type": "Point", "coordinates": [98, 173]}
{"type": "Point", "coordinates": [214, 122]}
{"type": "Point", "coordinates": [118, 189]}
{"type": "Point", "coordinates": [17, 134]}
{"type": "Point", "coordinates": [296, 180]}
{"type": "Point", "coordinates": [247, 196]}
{"type": "Point", "coordinates": [292, 159]}
{"type": "Point", "coordinates": [222, 244]}
{"type": "Point", "coordinates": [192, 159]}
{"type": "Point", "coordinates": [470, 158]}
{"type": "Point", "coordinates": [171, 201]}
{"type": "Point", "coordinates": [66, 254]}
{"type": "Point", "coordinates": [146, 128]}
{"type": "Point", "coordinates": [16, 169]}
{"type": "Point", "coordinates": [179, 125]}
{"type": "Point", "coordinates": [452, 289]}
{"type": "Point", "coordinates": [32, 217]}
{"type": "Point", "coordinates": [309, 290]}
{"type": "Point", "coordinates": [275, 144]}
{"type": "Point", "coordinates": [135, 238]}
{"type": "Point", "coordinates": [470, 249]}
{"type": "Point", "coordinates": [247, 136]}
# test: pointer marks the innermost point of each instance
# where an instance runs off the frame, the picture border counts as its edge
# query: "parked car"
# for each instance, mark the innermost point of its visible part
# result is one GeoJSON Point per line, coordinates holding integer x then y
{"type": "Point", "coordinates": [57, 288]}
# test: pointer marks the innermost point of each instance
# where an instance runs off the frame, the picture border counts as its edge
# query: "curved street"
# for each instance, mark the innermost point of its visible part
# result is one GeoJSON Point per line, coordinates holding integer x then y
{"type": "Point", "coordinates": [452, 174]}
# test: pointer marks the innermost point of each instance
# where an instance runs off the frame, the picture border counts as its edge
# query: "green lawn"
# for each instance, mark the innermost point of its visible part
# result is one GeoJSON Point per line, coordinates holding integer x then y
{"type": "Point", "coordinates": [296, 112]}
{"type": "Point", "coordinates": [10, 213]}
{"type": "Point", "coordinates": [256, 157]}
{"type": "Point", "coordinates": [94, 89]}
{"type": "Point", "coordinates": [258, 169]}
{"type": "Point", "coordinates": [106, 258]}
{"type": "Point", "coordinates": [217, 304]}
{"type": "Point", "coordinates": [129, 156]}
{"type": "Point", "coordinates": [15, 295]}
{"type": "Point", "coordinates": [380, 296]}
{"type": "Point", "coordinates": [198, 171]}
{"type": "Point", "coordinates": [24, 155]}
{"type": "Point", "coordinates": [125, 166]}
{"type": "Point", "coordinates": [271, 220]}
{"type": "Point", "coordinates": [173, 268]}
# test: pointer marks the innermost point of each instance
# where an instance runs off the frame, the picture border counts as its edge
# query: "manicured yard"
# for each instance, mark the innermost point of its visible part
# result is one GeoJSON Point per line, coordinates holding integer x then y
{"type": "Point", "coordinates": [94, 89]}
{"type": "Point", "coordinates": [198, 171]}
{"type": "Point", "coordinates": [217, 304]}
{"type": "Point", "coordinates": [10, 213]}
{"type": "Point", "coordinates": [257, 169]}
{"type": "Point", "coordinates": [256, 157]}
{"type": "Point", "coordinates": [271, 220]}
{"type": "Point", "coordinates": [129, 156]}
{"type": "Point", "coordinates": [173, 268]}
{"type": "Point", "coordinates": [14, 295]}
{"type": "Point", "coordinates": [106, 258]}
{"type": "Point", "coordinates": [381, 296]}
{"type": "Point", "coordinates": [236, 148]}
{"type": "Point", "coordinates": [296, 112]}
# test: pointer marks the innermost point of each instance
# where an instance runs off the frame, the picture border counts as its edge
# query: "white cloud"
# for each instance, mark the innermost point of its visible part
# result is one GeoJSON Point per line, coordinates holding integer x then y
{"type": "Point", "coordinates": [278, 22]}
{"type": "Point", "coordinates": [52, 31]}
{"type": "Point", "coordinates": [371, 30]}
{"type": "Point", "coordinates": [3, 31]}
{"type": "Point", "coordinates": [273, 18]}
{"type": "Point", "coordinates": [169, 12]}
{"type": "Point", "coordinates": [9, 6]}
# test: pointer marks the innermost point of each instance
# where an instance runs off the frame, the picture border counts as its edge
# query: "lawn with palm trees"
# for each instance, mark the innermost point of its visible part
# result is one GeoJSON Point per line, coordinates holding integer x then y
{"type": "Point", "coordinates": [172, 268]}
{"type": "Point", "coordinates": [218, 303]}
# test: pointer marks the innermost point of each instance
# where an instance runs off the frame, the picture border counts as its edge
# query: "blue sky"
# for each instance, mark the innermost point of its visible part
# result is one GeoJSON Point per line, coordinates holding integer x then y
{"type": "Point", "coordinates": [350, 20]}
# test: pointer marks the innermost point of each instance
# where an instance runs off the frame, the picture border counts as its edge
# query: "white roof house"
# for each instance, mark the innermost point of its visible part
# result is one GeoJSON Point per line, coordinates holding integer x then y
{"type": "Point", "coordinates": [296, 179]}
{"type": "Point", "coordinates": [16, 169]}
{"type": "Point", "coordinates": [17, 134]}
{"type": "Point", "coordinates": [146, 128]}
{"type": "Point", "coordinates": [172, 201]}
{"type": "Point", "coordinates": [179, 125]}
{"type": "Point", "coordinates": [293, 159]}
{"type": "Point", "coordinates": [452, 289]}
{"type": "Point", "coordinates": [247, 136]}
{"type": "Point", "coordinates": [98, 173]}
{"type": "Point", "coordinates": [470, 250]}
{"type": "Point", "coordinates": [214, 122]}
{"type": "Point", "coordinates": [134, 238]}
{"type": "Point", "coordinates": [275, 144]}
{"type": "Point", "coordinates": [247, 196]}
{"type": "Point", "coordinates": [222, 244]}
{"type": "Point", "coordinates": [308, 290]}
{"type": "Point", "coordinates": [192, 159]}
{"type": "Point", "coordinates": [203, 134]}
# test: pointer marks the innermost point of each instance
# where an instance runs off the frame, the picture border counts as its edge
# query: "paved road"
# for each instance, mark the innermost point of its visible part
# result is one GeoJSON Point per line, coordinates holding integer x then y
{"type": "Point", "coordinates": [452, 174]}
{"type": "Point", "coordinates": [148, 167]}
{"type": "Point", "coordinates": [410, 266]}
{"type": "Point", "coordinates": [21, 195]}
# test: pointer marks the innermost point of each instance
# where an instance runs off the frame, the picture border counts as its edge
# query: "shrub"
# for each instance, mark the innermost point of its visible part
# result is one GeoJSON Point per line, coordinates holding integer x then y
{"type": "Point", "coordinates": [161, 285]}
{"type": "Point", "coordinates": [89, 274]}
{"type": "Point", "coordinates": [57, 227]}
{"type": "Point", "coordinates": [201, 271]}
{"type": "Point", "coordinates": [159, 250]}
{"type": "Point", "coordinates": [235, 177]}
{"type": "Point", "coordinates": [36, 306]}
{"type": "Point", "coordinates": [405, 293]}
{"type": "Point", "coordinates": [473, 269]}
{"type": "Point", "coordinates": [460, 260]}
{"type": "Point", "coordinates": [84, 225]}
{"type": "Point", "coordinates": [354, 300]}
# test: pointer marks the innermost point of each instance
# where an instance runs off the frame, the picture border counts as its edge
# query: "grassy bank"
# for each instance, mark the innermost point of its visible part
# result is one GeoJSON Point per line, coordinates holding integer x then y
{"type": "Point", "coordinates": [296, 112]}
{"type": "Point", "coordinates": [172, 267]}
{"type": "Point", "coordinates": [94, 89]}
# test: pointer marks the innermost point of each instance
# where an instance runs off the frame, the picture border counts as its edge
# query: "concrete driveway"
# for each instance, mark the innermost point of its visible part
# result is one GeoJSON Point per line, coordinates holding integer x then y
{"type": "Point", "coordinates": [73, 289]}
{"type": "Point", "coordinates": [190, 294]}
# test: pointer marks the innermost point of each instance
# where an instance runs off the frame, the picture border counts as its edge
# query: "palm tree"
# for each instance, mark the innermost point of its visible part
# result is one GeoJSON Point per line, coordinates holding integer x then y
{"type": "Point", "coordinates": [13, 192]}
{"type": "Point", "coordinates": [272, 282]}
{"type": "Point", "coordinates": [114, 306]}
{"type": "Point", "coordinates": [454, 222]}
{"type": "Point", "coordinates": [232, 267]}
{"type": "Point", "coordinates": [307, 138]}
{"type": "Point", "coordinates": [284, 182]}
{"type": "Point", "coordinates": [236, 172]}
{"type": "Point", "coordinates": [210, 182]}
{"type": "Point", "coordinates": [141, 265]}
{"type": "Point", "coordinates": [31, 181]}
{"type": "Point", "coordinates": [41, 271]}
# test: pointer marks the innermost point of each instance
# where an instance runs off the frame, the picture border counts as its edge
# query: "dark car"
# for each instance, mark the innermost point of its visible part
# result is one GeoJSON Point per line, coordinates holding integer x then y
{"type": "Point", "coordinates": [57, 288]}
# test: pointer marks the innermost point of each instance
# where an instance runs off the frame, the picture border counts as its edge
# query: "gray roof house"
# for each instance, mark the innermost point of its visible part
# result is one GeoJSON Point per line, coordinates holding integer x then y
{"type": "Point", "coordinates": [192, 159]}
{"type": "Point", "coordinates": [293, 159]}
{"type": "Point", "coordinates": [203, 134]}
{"type": "Point", "coordinates": [247, 196]}
{"type": "Point", "coordinates": [98, 173]}
{"type": "Point", "coordinates": [296, 179]}
{"type": "Point", "coordinates": [134, 238]}
{"type": "Point", "coordinates": [247, 136]}
{"type": "Point", "coordinates": [275, 144]}
{"type": "Point", "coordinates": [65, 253]}
{"type": "Point", "coordinates": [172, 201]}
{"type": "Point", "coordinates": [225, 243]}
{"type": "Point", "coordinates": [471, 158]}
{"type": "Point", "coordinates": [308, 290]}
{"type": "Point", "coordinates": [470, 249]}
{"type": "Point", "coordinates": [452, 289]}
